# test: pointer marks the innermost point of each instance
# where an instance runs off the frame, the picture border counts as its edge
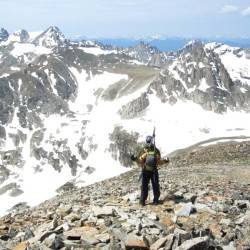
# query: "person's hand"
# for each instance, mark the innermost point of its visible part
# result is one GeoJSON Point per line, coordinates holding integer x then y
{"type": "Point", "coordinates": [165, 160]}
{"type": "Point", "coordinates": [133, 158]}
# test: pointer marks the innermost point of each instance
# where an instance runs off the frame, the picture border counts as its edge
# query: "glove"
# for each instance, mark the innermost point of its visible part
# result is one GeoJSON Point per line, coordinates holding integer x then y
{"type": "Point", "coordinates": [166, 160]}
{"type": "Point", "coordinates": [133, 158]}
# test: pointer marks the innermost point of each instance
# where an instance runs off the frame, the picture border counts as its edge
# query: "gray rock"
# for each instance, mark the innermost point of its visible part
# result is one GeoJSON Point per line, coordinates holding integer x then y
{"type": "Point", "coordinates": [101, 212]}
{"type": "Point", "coordinates": [11, 157]}
{"type": "Point", "coordinates": [154, 231]}
{"type": "Point", "coordinates": [199, 207]}
{"type": "Point", "coordinates": [105, 238]}
{"type": "Point", "coordinates": [165, 241]}
{"type": "Point", "coordinates": [153, 216]}
{"type": "Point", "coordinates": [134, 242]}
{"type": "Point", "coordinates": [63, 228]}
{"type": "Point", "coordinates": [180, 236]}
{"type": "Point", "coordinates": [54, 241]}
{"type": "Point", "coordinates": [68, 186]}
{"type": "Point", "coordinates": [200, 243]}
{"type": "Point", "coordinates": [123, 143]}
{"type": "Point", "coordinates": [178, 195]}
{"type": "Point", "coordinates": [76, 244]}
{"type": "Point", "coordinates": [4, 35]}
{"type": "Point", "coordinates": [185, 210]}
{"type": "Point", "coordinates": [89, 170]}
{"type": "Point", "coordinates": [57, 243]}
{"type": "Point", "coordinates": [234, 210]}
{"type": "Point", "coordinates": [119, 234]}
{"type": "Point", "coordinates": [242, 204]}
{"type": "Point", "coordinates": [90, 241]}
{"type": "Point", "coordinates": [240, 220]}
{"type": "Point", "coordinates": [45, 230]}
{"type": "Point", "coordinates": [135, 107]}
{"type": "Point", "coordinates": [169, 243]}
{"type": "Point", "coordinates": [189, 197]}
{"type": "Point", "coordinates": [23, 35]}
{"type": "Point", "coordinates": [4, 174]}
{"type": "Point", "coordinates": [226, 222]}
{"type": "Point", "coordinates": [2, 133]}
{"type": "Point", "coordinates": [64, 210]}
{"type": "Point", "coordinates": [134, 197]}
{"type": "Point", "coordinates": [28, 234]}
{"type": "Point", "coordinates": [229, 247]}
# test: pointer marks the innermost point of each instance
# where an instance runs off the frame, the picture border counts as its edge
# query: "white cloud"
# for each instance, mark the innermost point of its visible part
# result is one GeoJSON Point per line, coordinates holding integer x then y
{"type": "Point", "coordinates": [229, 9]}
{"type": "Point", "coordinates": [246, 12]}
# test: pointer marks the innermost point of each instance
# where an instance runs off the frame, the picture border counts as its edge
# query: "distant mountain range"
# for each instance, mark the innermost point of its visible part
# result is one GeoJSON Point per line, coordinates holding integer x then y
{"type": "Point", "coordinates": [172, 43]}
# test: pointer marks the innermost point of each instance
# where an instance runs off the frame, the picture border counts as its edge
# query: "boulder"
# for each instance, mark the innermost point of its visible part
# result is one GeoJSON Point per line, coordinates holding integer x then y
{"type": "Point", "coordinates": [133, 243]}
{"type": "Point", "coordinates": [82, 233]}
{"type": "Point", "coordinates": [200, 243]}
{"type": "Point", "coordinates": [184, 209]}
{"type": "Point", "coordinates": [101, 212]}
{"type": "Point", "coordinates": [168, 240]}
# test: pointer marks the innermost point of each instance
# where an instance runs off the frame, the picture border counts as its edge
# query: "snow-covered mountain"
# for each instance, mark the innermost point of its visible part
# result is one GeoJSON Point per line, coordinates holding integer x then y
{"type": "Point", "coordinates": [50, 38]}
{"type": "Point", "coordinates": [214, 76]}
{"type": "Point", "coordinates": [73, 112]}
{"type": "Point", "coordinates": [147, 54]}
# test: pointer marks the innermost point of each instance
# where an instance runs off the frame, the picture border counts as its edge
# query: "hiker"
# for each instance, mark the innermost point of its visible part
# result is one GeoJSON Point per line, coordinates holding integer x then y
{"type": "Point", "coordinates": [149, 159]}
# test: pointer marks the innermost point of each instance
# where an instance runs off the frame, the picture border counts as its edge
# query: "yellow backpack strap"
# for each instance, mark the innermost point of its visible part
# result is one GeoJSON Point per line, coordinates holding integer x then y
{"type": "Point", "coordinates": [143, 156]}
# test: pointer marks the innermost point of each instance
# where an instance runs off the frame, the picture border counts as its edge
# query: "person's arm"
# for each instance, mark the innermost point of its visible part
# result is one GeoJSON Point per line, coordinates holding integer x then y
{"type": "Point", "coordinates": [142, 159]}
{"type": "Point", "coordinates": [161, 161]}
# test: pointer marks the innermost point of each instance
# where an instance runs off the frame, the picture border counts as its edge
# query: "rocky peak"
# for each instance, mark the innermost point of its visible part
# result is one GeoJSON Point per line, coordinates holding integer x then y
{"type": "Point", "coordinates": [147, 54]}
{"type": "Point", "coordinates": [21, 35]}
{"type": "Point", "coordinates": [142, 46]}
{"type": "Point", "coordinates": [3, 35]}
{"type": "Point", "coordinates": [144, 51]}
{"type": "Point", "coordinates": [89, 43]}
{"type": "Point", "coordinates": [221, 49]}
{"type": "Point", "coordinates": [192, 46]}
{"type": "Point", "coordinates": [51, 37]}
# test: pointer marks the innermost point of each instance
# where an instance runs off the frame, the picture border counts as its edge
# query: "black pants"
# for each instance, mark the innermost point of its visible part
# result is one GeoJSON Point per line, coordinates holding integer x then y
{"type": "Point", "coordinates": [146, 177]}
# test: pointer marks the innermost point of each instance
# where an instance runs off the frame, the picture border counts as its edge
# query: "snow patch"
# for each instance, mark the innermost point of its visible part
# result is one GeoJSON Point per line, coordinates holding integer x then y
{"type": "Point", "coordinates": [201, 65]}
{"type": "Point", "coordinates": [203, 85]}
{"type": "Point", "coordinates": [243, 90]}
{"type": "Point", "coordinates": [22, 48]}
{"type": "Point", "coordinates": [34, 34]}
{"type": "Point", "coordinates": [4, 75]}
{"type": "Point", "coordinates": [97, 51]}
{"type": "Point", "coordinates": [235, 61]}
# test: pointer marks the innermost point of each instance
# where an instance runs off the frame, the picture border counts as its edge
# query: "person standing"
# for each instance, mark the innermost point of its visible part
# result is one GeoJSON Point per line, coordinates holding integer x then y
{"type": "Point", "coordinates": [150, 159]}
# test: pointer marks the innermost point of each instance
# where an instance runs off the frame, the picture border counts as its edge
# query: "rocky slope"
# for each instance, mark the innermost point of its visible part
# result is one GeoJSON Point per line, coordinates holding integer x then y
{"type": "Point", "coordinates": [209, 76]}
{"type": "Point", "coordinates": [205, 205]}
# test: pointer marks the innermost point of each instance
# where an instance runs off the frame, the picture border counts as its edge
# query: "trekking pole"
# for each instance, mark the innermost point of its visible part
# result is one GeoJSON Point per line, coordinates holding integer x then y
{"type": "Point", "coordinates": [154, 138]}
{"type": "Point", "coordinates": [149, 192]}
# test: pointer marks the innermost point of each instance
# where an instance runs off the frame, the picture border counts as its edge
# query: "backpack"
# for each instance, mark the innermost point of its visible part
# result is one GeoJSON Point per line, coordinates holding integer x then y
{"type": "Point", "coordinates": [150, 160]}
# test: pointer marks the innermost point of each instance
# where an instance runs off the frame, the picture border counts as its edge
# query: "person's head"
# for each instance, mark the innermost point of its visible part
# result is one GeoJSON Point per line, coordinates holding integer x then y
{"type": "Point", "coordinates": [149, 140]}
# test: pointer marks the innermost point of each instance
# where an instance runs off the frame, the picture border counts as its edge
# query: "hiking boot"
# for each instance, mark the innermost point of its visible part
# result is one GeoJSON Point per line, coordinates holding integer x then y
{"type": "Point", "coordinates": [156, 202]}
{"type": "Point", "coordinates": [142, 203]}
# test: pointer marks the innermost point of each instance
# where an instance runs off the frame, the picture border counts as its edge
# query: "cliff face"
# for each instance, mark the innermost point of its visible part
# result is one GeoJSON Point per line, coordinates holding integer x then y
{"type": "Point", "coordinates": [203, 74]}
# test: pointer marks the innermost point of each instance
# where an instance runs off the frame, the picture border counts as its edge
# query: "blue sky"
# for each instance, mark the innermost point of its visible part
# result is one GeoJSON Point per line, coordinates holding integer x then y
{"type": "Point", "coordinates": [117, 18]}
